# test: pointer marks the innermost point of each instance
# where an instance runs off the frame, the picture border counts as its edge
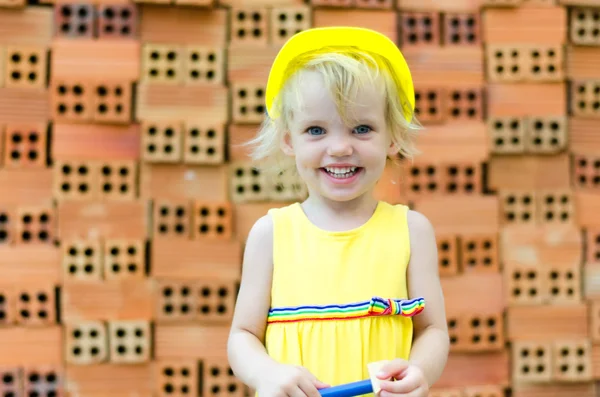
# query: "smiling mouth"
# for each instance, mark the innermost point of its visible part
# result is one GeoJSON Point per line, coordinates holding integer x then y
{"type": "Point", "coordinates": [342, 172]}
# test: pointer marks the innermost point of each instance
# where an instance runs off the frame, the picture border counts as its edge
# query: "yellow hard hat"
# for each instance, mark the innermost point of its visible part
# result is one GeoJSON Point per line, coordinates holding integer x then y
{"type": "Point", "coordinates": [339, 36]}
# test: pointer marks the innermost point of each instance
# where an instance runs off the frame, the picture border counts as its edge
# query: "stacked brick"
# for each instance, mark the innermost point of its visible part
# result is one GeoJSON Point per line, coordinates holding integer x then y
{"type": "Point", "coordinates": [127, 194]}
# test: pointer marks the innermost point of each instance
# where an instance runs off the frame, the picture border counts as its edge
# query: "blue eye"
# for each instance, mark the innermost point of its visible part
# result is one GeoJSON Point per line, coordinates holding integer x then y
{"type": "Point", "coordinates": [362, 129]}
{"type": "Point", "coordinates": [315, 130]}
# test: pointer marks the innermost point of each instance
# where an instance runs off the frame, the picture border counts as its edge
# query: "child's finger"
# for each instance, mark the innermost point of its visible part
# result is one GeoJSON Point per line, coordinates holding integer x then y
{"type": "Point", "coordinates": [308, 388]}
{"type": "Point", "coordinates": [405, 385]}
{"type": "Point", "coordinates": [392, 369]}
{"type": "Point", "coordinates": [299, 392]}
{"type": "Point", "coordinates": [316, 382]}
{"type": "Point", "coordinates": [319, 384]}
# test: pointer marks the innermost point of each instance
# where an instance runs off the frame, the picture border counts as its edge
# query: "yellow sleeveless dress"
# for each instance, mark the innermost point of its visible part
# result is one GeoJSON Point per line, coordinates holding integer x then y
{"type": "Point", "coordinates": [339, 299]}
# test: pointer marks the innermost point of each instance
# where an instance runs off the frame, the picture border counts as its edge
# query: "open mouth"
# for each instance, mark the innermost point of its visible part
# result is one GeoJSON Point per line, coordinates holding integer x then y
{"type": "Point", "coordinates": [342, 172]}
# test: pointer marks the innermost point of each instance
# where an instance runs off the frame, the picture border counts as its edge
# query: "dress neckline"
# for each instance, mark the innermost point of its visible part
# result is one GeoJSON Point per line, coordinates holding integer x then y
{"type": "Point", "coordinates": [340, 233]}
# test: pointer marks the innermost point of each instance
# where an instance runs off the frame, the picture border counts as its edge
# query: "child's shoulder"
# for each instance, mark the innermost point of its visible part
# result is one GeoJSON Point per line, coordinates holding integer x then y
{"type": "Point", "coordinates": [285, 215]}
{"type": "Point", "coordinates": [415, 219]}
{"type": "Point", "coordinates": [398, 207]}
{"type": "Point", "coordinates": [261, 232]}
{"type": "Point", "coordinates": [419, 226]}
{"type": "Point", "coordinates": [264, 225]}
{"type": "Point", "coordinates": [275, 211]}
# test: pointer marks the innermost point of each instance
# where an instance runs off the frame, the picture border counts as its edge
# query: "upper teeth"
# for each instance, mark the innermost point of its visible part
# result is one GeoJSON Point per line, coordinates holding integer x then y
{"type": "Point", "coordinates": [340, 170]}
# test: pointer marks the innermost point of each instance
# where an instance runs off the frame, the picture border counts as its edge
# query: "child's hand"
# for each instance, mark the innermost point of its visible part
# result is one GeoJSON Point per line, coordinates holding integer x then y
{"type": "Point", "coordinates": [410, 380]}
{"type": "Point", "coordinates": [289, 381]}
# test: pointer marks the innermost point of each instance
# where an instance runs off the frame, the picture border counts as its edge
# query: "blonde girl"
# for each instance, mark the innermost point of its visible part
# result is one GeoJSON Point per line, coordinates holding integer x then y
{"type": "Point", "coordinates": [341, 279]}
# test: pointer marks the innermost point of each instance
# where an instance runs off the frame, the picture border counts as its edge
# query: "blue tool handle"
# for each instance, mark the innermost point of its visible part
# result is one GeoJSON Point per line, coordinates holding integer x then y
{"type": "Point", "coordinates": [349, 389]}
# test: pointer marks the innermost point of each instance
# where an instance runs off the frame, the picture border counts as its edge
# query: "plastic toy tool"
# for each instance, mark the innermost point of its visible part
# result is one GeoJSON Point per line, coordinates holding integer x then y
{"type": "Point", "coordinates": [358, 388]}
{"type": "Point", "coordinates": [349, 389]}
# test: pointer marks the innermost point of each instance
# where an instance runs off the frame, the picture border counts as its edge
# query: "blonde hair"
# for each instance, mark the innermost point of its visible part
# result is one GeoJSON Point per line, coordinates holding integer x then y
{"type": "Point", "coordinates": [344, 72]}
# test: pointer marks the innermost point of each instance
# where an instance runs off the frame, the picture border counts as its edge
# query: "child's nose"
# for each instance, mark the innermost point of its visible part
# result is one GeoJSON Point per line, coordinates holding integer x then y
{"type": "Point", "coordinates": [340, 146]}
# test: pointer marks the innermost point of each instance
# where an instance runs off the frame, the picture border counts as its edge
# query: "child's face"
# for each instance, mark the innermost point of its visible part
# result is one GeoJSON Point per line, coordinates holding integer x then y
{"type": "Point", "coordinates": [337, 161]}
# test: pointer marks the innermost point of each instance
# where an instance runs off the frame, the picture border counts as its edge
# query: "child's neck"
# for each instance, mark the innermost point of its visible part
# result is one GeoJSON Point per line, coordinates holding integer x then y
{"type": "Point", "coordinates": [339, 215]}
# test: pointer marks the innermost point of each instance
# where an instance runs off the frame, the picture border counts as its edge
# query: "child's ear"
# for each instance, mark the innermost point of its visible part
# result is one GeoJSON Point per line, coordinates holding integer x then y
{"type": "Point", "coordinates": [392, 150]}
{"type": "Point", "coordinates": [286, 144]}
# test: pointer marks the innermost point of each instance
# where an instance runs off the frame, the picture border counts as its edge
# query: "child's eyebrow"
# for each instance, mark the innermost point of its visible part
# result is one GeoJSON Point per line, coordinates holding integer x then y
{"type": "Point", "coordinates": [309, 120]}
{"type": "Point", "coordinates": [365, 120]}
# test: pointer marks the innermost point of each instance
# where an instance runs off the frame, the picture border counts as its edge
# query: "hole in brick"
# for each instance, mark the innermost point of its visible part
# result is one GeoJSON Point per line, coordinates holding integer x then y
{"type": "Point", "coordinates": [65, 11]}
{"type": "Point", "coordinates": [16, 137]}
{"type": "Point", "coordinates": [109, 13]}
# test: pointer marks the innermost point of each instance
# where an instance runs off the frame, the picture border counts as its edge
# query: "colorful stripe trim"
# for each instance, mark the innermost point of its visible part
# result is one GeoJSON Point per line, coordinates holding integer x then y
{"type": "Point", "coordinates": [377, 306]}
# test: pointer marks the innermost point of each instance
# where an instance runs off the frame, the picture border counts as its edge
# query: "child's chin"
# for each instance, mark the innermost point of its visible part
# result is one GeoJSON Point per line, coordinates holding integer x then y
{"type": "Point", "coordinates": [342, 193]}
{"type": "Point", "coordinates": [342, 198]}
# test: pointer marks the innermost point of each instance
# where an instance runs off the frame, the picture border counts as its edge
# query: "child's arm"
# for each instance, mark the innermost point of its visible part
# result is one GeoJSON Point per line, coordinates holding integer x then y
{"type": "Point", "coordinates": [431, 342]}
{"type": "Point", "coordinates": [245, 348]}
{"type": "Point", "coordinates": [246, 352]}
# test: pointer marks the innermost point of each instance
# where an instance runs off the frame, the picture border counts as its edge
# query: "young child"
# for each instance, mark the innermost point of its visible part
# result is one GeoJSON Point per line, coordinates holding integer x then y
{"type": "Point", "coordinates": [338, 281]}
